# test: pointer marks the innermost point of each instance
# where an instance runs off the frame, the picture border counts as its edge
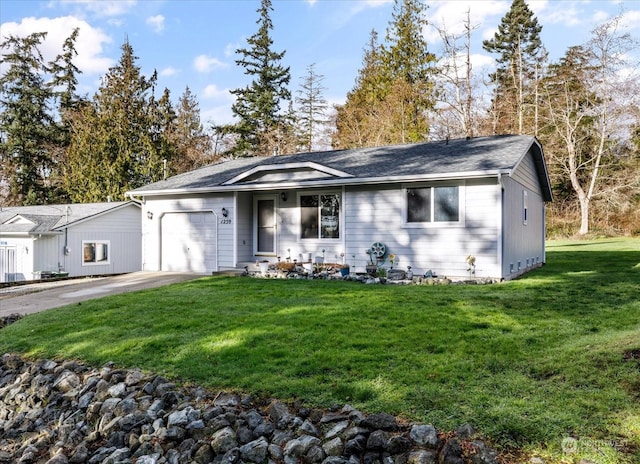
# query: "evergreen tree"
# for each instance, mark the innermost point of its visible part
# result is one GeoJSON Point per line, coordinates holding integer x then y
{"type": "Point", "coordinates": [519, 48]}
{"type": "Point", "coordinates": [113, 148]}
{"type": "Point", "coordinates": [193, 145]}
{"type": "Point", "coordinates": [312, 107]}
{"type": "Point", "coordinates": [410, 68]}
{"type": "Point", "coordinates": [258, 105]}
{"type": "Point", "coordinates": [64, 84]}
{"type": "Point", "coordinates": [394, 90]}
{"type": "Point", "coordinates": [26, 123]}
{"type": "Point", "coordinates": [360, 122]}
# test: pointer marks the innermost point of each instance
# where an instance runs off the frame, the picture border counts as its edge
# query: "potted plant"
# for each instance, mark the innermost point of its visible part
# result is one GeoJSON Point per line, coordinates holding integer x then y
{"type": "Point", "coordinates": [371, 267]}
{"type": "Point", "coordinates": [344, 270]}
{"type": "Point", "coordinates": [264, 267]}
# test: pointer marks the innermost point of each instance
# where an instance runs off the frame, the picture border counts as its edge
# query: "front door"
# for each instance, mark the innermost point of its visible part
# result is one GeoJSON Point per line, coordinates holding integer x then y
{"type": "Point", "coordinates": [265, 225]}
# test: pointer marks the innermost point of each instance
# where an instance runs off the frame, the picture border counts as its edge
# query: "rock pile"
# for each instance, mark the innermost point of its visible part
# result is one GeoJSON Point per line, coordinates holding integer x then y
{"type": "Point", "coordinates": [64, 412]}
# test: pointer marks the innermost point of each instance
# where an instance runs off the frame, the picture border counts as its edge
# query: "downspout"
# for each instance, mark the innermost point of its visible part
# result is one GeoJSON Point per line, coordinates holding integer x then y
{"type": "Point", "coordinates": [500, 239]}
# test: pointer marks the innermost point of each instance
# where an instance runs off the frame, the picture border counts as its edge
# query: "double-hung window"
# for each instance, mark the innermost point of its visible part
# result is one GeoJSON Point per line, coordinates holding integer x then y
{"type": "Point", "coordinates": [320, 216]}
{"type": "Point", "coordinates": [433, 204]}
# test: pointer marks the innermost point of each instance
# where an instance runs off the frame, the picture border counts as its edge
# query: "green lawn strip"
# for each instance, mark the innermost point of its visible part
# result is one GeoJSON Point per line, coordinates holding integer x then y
{"type": "Point", "coordinates": [526, 362]}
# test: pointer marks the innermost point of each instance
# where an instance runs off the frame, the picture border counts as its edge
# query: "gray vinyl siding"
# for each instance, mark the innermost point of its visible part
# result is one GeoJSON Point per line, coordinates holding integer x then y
{"type": "Point", "coordinates": [121, 228]}
{"type": "Point", "coordinates": [159, 206]}
{"type": "Point", "coordinates": [377, 215]}
{"type": "Point", "coordinates": [526, 175]}
{"type": "Point", "coordinates": [523, 244]}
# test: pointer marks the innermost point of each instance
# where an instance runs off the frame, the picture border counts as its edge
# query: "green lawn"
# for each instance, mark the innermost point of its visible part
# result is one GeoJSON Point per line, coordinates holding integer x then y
{"type": "Point", "coordinates": [528, 363]}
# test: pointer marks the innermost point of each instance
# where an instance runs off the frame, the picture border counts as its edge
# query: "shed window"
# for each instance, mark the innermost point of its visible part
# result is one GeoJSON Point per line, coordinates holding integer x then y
{"type": "Point", "coordinates": [525, 207]}
{"type": "Point", "coordinates": [320, 216]}
{"type": "Point", "coordinates": [433, 204]}
{"type": "Point", "coordinates": [96, 252]}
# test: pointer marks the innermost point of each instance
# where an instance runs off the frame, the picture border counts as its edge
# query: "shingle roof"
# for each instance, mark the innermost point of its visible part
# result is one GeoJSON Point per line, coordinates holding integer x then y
{"type": "Point", "coordinates": [49, 218]}
{"type": "Point", "coordinates": [461, 156]}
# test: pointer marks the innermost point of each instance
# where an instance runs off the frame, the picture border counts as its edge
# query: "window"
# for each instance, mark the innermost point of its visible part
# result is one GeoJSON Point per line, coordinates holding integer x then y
{"type": "Point", "coordinates": [95, 252]}
{"type": "Point", "coordinates": [320, 216]}
{"type": "Point", "coordinates": [525, 207]}
{"type": "Point", "coordinates": [433, 204]}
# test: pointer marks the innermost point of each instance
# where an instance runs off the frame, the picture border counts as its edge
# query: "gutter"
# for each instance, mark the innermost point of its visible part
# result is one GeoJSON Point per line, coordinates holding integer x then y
{"type": "Point", "coordinates": [320, 183]}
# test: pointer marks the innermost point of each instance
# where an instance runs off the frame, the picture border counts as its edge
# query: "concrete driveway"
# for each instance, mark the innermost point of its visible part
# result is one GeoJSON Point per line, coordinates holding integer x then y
{"type": "Point", "coordinates": [32, 298]}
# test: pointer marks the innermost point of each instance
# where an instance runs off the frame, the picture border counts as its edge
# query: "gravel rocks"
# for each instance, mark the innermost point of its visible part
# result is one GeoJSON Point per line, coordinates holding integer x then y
{"type": "Point", "coordinates": [67, 413]}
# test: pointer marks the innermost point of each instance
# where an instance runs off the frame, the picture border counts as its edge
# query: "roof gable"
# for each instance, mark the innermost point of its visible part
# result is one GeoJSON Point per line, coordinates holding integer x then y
{"type": "Point", "coordinates": [294, 171]}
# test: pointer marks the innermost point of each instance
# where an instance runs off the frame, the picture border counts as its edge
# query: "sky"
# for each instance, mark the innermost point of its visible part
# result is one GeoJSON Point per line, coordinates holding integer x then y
{"type": "Point", "coordinates": [193, 42]}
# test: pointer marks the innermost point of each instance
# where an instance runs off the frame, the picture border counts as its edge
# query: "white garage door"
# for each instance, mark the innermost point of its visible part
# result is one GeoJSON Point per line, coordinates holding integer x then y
{"type": "Point", "coordinates": [189, 242]}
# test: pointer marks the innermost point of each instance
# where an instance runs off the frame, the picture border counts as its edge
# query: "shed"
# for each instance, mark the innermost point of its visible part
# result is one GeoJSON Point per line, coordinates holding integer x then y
{"type": "Point", "coordinates": [69, 240]}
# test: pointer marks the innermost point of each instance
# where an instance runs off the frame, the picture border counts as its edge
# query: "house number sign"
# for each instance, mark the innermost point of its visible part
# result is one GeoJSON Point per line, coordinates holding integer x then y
{"type": "Point", "coordinates": [225, 221]}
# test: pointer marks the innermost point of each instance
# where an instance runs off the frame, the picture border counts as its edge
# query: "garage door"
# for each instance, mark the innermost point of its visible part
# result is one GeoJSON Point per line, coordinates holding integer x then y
{"type": "Point", "coordinates": [189, 242]}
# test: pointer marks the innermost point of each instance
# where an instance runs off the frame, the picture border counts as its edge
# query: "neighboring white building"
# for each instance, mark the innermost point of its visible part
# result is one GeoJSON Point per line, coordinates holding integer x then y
{"type": "Point", "coordinates": [75, 239]}
{"type": "Point", "coordinates": [430, 204]}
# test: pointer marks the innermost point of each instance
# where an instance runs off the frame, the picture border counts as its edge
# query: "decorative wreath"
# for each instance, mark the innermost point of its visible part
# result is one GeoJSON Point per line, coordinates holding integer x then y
{"type": "Point", "coordinates": [378, 250]}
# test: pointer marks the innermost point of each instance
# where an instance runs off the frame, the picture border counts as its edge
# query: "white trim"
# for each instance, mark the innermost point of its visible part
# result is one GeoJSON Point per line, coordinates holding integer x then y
{"type": "Point", "coordinates": [256, 198]}
{"type": "Point", "coordinates": [97, 263]}
{"type": "Point", "coordinates": [460, 223]}
{"type": "Point", "coordinates": [319, 240]}
{"type": "Point", "coordinates": [287, 167]}
{"type": "Point", "coordinates": [203, 210]}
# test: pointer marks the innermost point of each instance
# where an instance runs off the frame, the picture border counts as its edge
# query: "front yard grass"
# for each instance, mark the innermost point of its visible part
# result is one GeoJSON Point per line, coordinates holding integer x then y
{"type": "Point", "coordinates": [529, 363]}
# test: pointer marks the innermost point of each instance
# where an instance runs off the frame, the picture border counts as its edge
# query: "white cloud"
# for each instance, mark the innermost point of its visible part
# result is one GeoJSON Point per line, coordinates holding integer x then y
{"type": "Point", "coordinates": [230, 49]}
{"type": "Point", "coordinates": [103, 8]}
{"type": "Point", "coordinates": [212, 92]}
{"type": "Point", "coordinates": [342, 16]}
{"type": "Point", "coordinates": [451, 16]}
{"type": "Point", "coordinates": [156, 22]}
{"type": "Point", "coordinates": [204, 63]}
{"type": "Point", "coordinates": [631, 19]}
{"type": "Point", "coordinates": [169, 71]}
{"type": "Point", "coordinates": [89, 43]}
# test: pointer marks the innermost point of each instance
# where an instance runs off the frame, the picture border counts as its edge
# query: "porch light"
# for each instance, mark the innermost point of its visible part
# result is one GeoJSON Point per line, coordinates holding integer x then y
{"type": "Point", "coordinates": [225, 212]}
{"type": "Point", "coordinates": [149, 215]}
{"type": "Point", "coordinates": [283, 196]}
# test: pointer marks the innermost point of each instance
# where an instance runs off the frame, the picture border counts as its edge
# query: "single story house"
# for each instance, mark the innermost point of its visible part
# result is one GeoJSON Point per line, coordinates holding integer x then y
{"type": "Point", "coordinates": [431, 205]}
{"type": "Point", "coordinates": [74, 240]}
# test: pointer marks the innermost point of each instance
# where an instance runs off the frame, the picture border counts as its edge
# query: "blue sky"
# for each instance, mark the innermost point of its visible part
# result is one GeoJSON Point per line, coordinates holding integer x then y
{"type": "Point", "coordinates": [192, 42]}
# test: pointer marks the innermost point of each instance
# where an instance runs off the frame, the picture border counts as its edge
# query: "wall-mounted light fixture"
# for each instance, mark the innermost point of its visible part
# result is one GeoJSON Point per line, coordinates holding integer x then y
{"type": "Point", "coordinates": [225, 212]}
{"type": "Point", "coordinates": [283, 196]}
{"type": "Point", "coordinates": [26, 250]}
{"type": "Point", "coordinates": [149, 215]}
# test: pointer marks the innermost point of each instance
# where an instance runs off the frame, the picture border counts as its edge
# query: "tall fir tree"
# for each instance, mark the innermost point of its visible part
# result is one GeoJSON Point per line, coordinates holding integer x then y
{"type": "Point", "coordinates": [193, 145]}
{"type": "Point", "coordinates": [113, 149]}
{"type": "Point", "coordinates": [258, 105]}
{"type": "Point", "coordinates": [411, 68]}
{"type": "Point", "coordinates": [64, 85]}
{"type": "Point", "coordinates": [26, 123]}
{"type": "Point", "coordinates": [395, 88]}
{"type": "Point", "coordinates": [359, 121]}
{"type": "Point", "coordinates": [312, 107]}
{"type": "Point", "coordinates": [519, 48]}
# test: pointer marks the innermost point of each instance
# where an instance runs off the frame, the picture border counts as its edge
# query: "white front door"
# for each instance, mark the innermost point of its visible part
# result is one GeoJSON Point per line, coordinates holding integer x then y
{"type": "Point", "coordinates": [265, 225]}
